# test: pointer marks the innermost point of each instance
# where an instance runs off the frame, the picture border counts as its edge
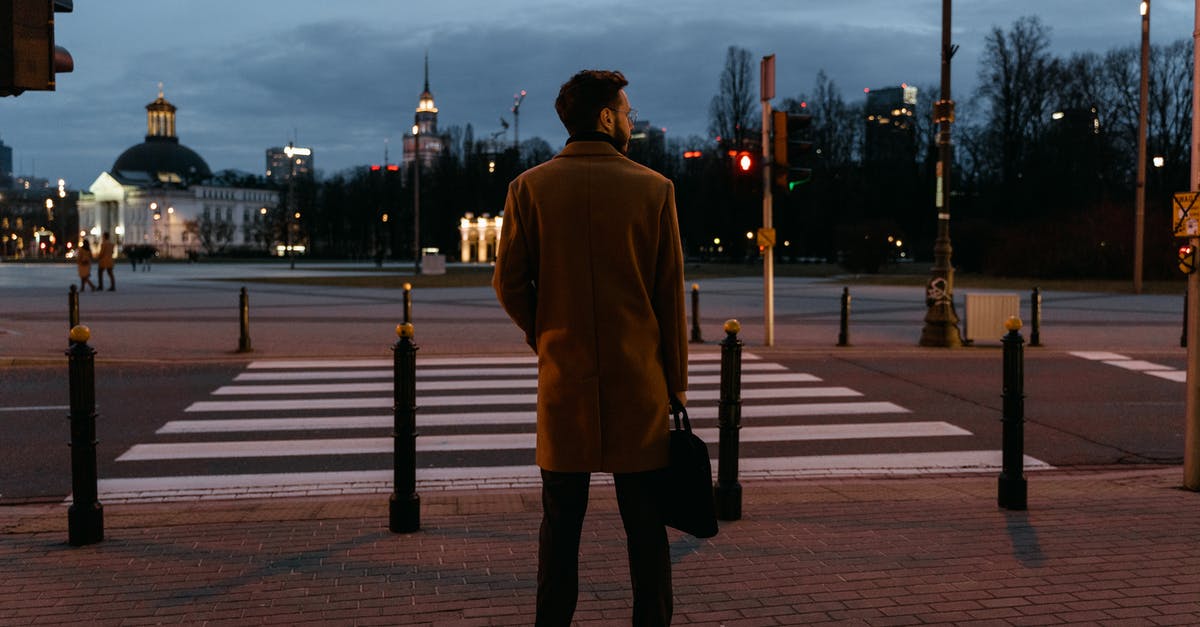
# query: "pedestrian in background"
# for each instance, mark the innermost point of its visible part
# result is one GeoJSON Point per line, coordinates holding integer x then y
{"type": "Point", "coordinates": [590, 267]}
{"type": "Point", "coordinates": [108, 254]}
{"type": "Point", "coordinates": [83, 257]}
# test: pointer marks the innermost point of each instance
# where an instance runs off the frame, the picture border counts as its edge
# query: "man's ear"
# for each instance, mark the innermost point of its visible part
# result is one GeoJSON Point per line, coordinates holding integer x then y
{"type": "Point", "coordinates": [605, 122]}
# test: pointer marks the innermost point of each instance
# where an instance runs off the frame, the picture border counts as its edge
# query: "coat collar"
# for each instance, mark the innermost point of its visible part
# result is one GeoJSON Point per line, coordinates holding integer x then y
{"type": "Point", "coordinates": [588, 149]}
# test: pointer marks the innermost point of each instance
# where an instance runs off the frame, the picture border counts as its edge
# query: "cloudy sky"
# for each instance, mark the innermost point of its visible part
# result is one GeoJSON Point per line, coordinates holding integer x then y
{"type": "Point", "coordinates": [343, 77]}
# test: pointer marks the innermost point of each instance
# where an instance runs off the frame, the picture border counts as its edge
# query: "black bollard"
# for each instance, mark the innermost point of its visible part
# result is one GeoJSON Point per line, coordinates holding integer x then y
{"type": "Point", "coordinates": [72, 310]}
{"type": "Point", "coordinates": [1012, 488]}
{"type": "Point", "coordinates": [1035, 315]}
{"type": "Point", "coordinates": [408, 303]}
{"type": "Point", "coordinates": [85, 517]}
{"type": "Point", "coordinates": [696, 337]}
{"type": "Point", "coordinates": [728, 491]}
{"type": "Point", "coordinates": [404, 506]}
{"type": "Point", "coordinates": [244, 315]}
{"type": "Point", "coordinates": [844, 329]}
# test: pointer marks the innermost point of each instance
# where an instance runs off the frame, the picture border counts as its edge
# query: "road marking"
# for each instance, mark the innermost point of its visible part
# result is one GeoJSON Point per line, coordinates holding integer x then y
{"type": "Point", "coordinates": [266, 485]}
{"type": "Point", "coordinates": [37, 408]}
{"type": "Point", "coordinates": [1097, 355]}
{"type": "Point", "coordinates": [510, 441]}
{"type": "Point", "coordinates": [439, 361]}
{"type": "Point", "coordinates": [384, 421]}
{"type": "Point", "coordinates": [1136, 364]}
{"type": "Point", "coordinates": [1170, 375]}
{"type": "Point", "coordinates": [470, 384]}
{"type": "Point", "coordinates": [486, 399]}
{"type": "Point", "coordinates": [432, 373]}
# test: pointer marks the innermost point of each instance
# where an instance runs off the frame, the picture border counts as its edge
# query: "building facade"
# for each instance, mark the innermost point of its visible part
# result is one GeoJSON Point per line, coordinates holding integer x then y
{"type": "Point", "coordinates": [285, 162]}
{"type": "Point", "coordinates": [424, 142]}
{"type": "Point", "coordinates": [890, 134]}
{"type": "Point", "coordinates": [161, 194]}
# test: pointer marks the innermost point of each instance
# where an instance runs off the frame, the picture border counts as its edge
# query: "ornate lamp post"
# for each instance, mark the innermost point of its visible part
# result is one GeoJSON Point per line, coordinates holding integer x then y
{"type": "Point", "coordinates": [941, 321]}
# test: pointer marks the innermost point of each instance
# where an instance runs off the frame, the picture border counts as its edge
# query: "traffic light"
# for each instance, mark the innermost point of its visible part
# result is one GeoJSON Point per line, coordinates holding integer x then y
{"type": "Point", "coordinates": [743, 162]}
{"type": "Point", "coordinates": [792, 149]}
{"type": "Point", "coordinates": [28, 57]}
{"type": "Point", "coordinates": [1187, 259]}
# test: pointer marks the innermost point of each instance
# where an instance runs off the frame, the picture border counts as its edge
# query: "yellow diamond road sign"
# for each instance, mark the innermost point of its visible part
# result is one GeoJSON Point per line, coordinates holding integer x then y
{"type": "Point", "coordinates": [1187, 214]}
{"type": "Point", "coordinates": [766, 237]}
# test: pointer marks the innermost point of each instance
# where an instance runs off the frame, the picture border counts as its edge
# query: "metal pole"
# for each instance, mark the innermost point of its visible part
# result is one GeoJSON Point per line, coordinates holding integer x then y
{"type": "Point", "coordinates": [696, 337]}
{"type": "Point", "coordinates": [85, 517]}
{"type": "Point", "coordinates": [1184, 334]}
{"type": "Point", "coordinates": [417, 199]}
{"type": "Point", "coordinates": [244, 319]}
{"type": "Point", "coordinates": [844, 327]}
{"type": "Point", "coordinates": [941, 321]}
{"type": "Point", "coordinates": [408, 303]}
{"type": "Point", "coordinates": [73, 308]}
{"type": "Point", "coordinates": [1035, 316]}
{"type": "Point", "coordinates": [1139, 230]}
{"type": "Point", "coordinates": [728, 492]}
{"type": "Point", "coordinates": [769, 249]}
{"type": "Point", "coordinates": [1191, 438]}
{"type": "Point", "coordinates": [1012, 490]}
{"type": "Point", "coordinates": [404, 505]}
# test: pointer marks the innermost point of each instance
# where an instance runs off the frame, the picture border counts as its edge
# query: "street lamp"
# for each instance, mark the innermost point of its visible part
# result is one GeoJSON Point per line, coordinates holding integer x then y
{"type": "Point", "coordinates": [416, 131]}
{"type": "Point", "coordinates": [941, 321]}
{"type": "Point", "coordinates": [1139, 230]}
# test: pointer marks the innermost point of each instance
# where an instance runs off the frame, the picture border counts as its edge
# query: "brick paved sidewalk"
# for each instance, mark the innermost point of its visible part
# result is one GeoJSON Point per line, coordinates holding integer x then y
{"type": "Point", "coordinates": [1108, 546]}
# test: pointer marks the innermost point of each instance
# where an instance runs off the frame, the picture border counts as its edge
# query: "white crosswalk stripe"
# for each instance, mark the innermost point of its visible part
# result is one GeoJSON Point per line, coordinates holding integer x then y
{"type": "Point", "coordinates": [485, 406]}
{"type": "Point", "coordinates": [1136, 365]}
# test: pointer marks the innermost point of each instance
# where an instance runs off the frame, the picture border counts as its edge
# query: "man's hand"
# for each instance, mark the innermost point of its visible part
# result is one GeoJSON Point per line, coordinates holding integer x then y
{"type": "Point", "coordinates": [678, 400]}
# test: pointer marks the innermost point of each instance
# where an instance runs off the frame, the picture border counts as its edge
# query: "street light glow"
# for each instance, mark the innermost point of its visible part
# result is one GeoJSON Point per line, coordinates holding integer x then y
{"type": "Point", "coordinates": [1144, 8]}
{"type": "Point", "coordinates": [1057, 115]}
{"type": "Point", "coordinates": [1159, 161]}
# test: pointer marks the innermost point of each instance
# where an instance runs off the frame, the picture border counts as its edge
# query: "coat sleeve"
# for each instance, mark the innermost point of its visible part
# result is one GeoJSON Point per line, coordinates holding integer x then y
{"type": "Point", "coordinates": [668, 297]}
{"type": "Point", "coordinates": [515, 275]}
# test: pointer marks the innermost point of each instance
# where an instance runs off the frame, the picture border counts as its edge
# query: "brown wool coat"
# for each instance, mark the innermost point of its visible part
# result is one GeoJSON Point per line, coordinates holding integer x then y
{"type": "Point", "coordinates": [590, 267]}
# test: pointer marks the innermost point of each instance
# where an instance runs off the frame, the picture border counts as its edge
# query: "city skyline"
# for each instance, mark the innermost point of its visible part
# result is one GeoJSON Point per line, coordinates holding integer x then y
{"type": "Point", "coordinates": [345, 84]}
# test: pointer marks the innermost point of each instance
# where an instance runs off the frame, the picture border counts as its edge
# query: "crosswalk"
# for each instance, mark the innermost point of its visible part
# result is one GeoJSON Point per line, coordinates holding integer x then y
{"type": "Point", "coordinates": [1136, 365]}
{"type": "Point", "coordinates": [306, 427]}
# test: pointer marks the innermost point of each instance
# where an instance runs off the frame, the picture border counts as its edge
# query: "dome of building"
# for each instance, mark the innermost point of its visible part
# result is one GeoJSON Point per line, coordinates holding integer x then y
{"type": "Point", "coordinates": [161, 159]}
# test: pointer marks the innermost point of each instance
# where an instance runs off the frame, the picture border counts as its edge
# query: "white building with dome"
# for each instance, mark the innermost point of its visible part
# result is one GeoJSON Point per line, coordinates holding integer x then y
{"type": "Point", "coordinates": [161, 193]}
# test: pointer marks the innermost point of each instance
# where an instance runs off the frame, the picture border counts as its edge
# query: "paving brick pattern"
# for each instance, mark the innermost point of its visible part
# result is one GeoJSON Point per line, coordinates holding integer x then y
{"type": "Point", "coordinates": [1102, 547]}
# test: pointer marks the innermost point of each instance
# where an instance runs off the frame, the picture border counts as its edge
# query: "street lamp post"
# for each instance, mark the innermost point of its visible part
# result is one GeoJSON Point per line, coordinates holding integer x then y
{"type": "Point", "coordinates": [416, 199]}
{"type": "Point", "coordinates": [1139, 231]}
{"type": "Point", "coordinates": [941, 321]}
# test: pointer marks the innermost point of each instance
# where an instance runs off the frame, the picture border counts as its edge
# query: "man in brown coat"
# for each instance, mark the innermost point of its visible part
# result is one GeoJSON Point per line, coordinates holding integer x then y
{"type": "Point", "coordinates": [590, 267]}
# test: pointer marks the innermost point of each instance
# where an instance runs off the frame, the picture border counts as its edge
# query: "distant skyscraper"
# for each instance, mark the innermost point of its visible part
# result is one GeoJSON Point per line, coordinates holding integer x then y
{"type": "Point", "coordinates": [282, 160]}
{"type": "Point", "coordinates": [6, 170]}
{"type": "Point", "coordinates": [648, 144]}
{"type": "Point", "coordinates": [424, 128]}
{"type": "Point", "coordinates": [890, 135]}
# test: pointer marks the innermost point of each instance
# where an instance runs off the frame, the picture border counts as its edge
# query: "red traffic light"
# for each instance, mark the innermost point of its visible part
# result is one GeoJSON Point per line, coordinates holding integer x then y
{"type": "Point", "coordinates": [744, 161]}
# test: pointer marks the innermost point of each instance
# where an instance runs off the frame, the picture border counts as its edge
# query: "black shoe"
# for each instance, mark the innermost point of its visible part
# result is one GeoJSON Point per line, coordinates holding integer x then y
{"type": "Point", "coordinates": [112, 289]}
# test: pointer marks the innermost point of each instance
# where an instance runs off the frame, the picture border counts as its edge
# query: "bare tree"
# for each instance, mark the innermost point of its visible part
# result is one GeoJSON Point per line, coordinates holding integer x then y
{"type": "Point", "coordinates": [731, 113]}
{"type": "Point", "coordinates": [1016, 76]}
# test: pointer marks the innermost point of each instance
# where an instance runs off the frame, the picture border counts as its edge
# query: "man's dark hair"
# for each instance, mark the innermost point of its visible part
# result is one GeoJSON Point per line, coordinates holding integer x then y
{"type": "Point", "coordinates": [581, 98]}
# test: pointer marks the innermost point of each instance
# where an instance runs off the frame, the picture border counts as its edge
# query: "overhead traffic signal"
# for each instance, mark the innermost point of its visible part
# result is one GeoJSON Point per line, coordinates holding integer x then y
{"type": "Point", "coordinates": [28, 57]}
{"type": "Point", "coordinates": [792, 149]}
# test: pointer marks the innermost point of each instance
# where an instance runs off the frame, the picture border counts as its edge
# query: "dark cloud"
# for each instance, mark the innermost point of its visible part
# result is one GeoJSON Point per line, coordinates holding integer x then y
{"type": "Point", "coordinates": [344, 82]}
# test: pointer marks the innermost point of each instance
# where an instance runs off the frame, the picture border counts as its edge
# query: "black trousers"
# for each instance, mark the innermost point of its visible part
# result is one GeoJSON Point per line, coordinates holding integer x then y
{"type": "Point", "coordinates": [564, 504]}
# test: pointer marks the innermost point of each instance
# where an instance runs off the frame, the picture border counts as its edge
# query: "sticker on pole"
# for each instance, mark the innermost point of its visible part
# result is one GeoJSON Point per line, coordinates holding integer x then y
{"type": "Point", "coordinates": [1187, 214]}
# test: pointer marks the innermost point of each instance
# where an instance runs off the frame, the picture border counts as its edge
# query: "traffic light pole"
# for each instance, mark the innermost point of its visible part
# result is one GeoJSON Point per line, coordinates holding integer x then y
{"type": "Point", "coordinates": [767, 85]}
{"type": "Point", "coordinates": [1191, 437]}
{"type": "Point", "coordinates": [941, 321]}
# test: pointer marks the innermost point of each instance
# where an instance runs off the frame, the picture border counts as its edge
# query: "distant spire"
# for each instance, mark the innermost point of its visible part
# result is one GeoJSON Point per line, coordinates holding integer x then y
{"type": "Point", "coordinates": [160, 89]}
{"type": "Point", "coordinates": [426, 70]}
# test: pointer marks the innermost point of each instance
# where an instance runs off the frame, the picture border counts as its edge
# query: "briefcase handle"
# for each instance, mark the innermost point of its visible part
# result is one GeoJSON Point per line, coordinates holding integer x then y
{"type": "Point", "coordinates": [679, 412]}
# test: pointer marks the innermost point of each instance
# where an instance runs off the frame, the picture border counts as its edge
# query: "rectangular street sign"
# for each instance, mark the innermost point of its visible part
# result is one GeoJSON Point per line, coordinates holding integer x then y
{"type": "Point", "coordinates": [1187, 214]}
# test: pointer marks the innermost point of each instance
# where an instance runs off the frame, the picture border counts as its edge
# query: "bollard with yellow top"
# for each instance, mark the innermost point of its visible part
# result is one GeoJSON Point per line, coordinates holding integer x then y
{"type": "Point", "coordinates": [404, 505]}
{"type": "Point", "coordinates": [1012, 491]}
{"type": "Point", "coordinates": [85, 517]}
{"type": "Point", "coordinates": [728, 492]}
{"type": "Point", "coordinates": [407, 303]}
